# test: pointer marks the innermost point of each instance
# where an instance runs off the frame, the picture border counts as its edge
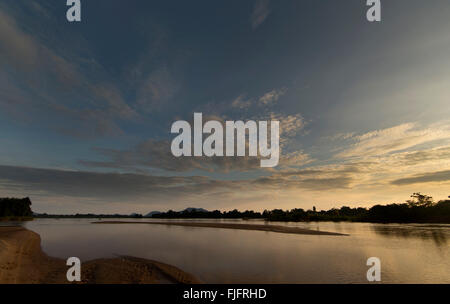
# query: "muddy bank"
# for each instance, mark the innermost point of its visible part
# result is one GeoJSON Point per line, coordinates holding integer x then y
{"type": "Point", "coordinates": [255, 227]}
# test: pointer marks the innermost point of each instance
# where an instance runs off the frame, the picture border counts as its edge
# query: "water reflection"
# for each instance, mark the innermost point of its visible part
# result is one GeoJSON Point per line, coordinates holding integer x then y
{"type": "Point", "coordinates": [438, 233]}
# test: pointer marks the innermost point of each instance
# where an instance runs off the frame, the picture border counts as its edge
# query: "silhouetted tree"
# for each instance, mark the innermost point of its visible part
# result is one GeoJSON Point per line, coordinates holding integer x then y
{"type": "Point", "coordinates": [15, 207]}
{"type": "Point", "coordinates": [420, 200]}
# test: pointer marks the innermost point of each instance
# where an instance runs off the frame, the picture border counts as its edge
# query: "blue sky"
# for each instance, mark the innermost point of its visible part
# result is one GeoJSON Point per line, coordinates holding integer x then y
{"type": "Point", "coordinates": [363, 106]}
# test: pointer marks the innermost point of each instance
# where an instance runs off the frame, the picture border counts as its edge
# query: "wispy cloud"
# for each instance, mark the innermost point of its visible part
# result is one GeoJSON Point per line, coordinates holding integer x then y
{"type": "Point", "coordinates": [272, 97]}
{"type": "Point", "coordinates": [440, 176]}
{"type": "Point", "coordinates": [49, 84]}
{"type": "Point", "coordinates": [260, 13]}
{"type": "Point", "coordinates": [241, 102]}
{"type": "Point", "coordinates": [290, 124]}
{"type": "Point", "coordinates": [156, 90]}
{"type": "Point", "coordinates": [397, 138]}
{"type": "Point", "coordinates": [153, 154]}
{"type": "Point", "coordinates": [16, 45]}
{"type": "Point", "coordinates": [267, 99]}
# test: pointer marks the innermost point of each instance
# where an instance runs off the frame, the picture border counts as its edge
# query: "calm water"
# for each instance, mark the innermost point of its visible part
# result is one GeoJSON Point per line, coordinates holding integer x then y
{"type": "Point", "coordinates": [409, 253]}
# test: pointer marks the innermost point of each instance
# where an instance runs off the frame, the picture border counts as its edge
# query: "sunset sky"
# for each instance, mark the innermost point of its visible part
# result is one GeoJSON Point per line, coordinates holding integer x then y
{"type": "Point", "coordinates": [86, 108]}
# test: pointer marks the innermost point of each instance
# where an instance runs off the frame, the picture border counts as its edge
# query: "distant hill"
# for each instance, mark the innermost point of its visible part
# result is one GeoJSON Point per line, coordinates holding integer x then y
{"type": "Point", "coordinates": [190, 209]}
{"type": "Point", "coordinates": [151, 214]}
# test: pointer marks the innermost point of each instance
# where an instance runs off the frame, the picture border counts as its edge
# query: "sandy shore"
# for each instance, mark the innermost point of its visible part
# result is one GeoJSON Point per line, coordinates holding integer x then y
{"type": "Point", "coordinates": [23, 262]}
{"type": "Point", "coordinates": [256, 227]}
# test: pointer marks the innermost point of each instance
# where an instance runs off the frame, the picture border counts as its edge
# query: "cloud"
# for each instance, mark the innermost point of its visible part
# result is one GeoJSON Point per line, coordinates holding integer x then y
{"type": "Point", "coordinates": [341, 136]}
{"type": "Point", "coordinates": [16, 45]}
{"type": "Point", "coordinates": [271, 97]}
{"type": "Point", "coordinates": [82, 184]}
{"type": "Point", "coordinates": [268, 99]}
{"type": "Point", "coordinates": [376, 167]}
{"type": "Point", "coordinates": [26, 53]}
{"type": "Point", "coordinates": [440, 176]}
{"type": "Point", "coordinates": [241, 102]}
{"type": "Point", "coordinates": [260, 13]}
{"type": "Point", "coordinates": [297, 158]}
{"type": "Point", "coordinates": [153, 154]}
{"type": "Point", "coordinates": [115, 104]}
{"type": "Point", "coordinates": [112, 188]}
{"type": "Point", "coordinates": [59, 191]}
{"type": "Point", "coordinates": [156, 154]}
{"type": "Point", "coordinates": [38, 81]}
{"type": "Point", "coordinates": [280, 182]}
{"type": "Point", "coordinates": [290, 125]}
{"type": "Point", "coordinates": [437, 156]}
{"type": "Point", "coordinates": [394, 139]}
{"type": "Point", "coordinates": [155, 90]}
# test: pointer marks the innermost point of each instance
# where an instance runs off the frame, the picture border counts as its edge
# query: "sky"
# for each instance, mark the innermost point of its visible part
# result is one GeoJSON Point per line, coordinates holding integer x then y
{"type": "Point", "coordinates": [86, 107]}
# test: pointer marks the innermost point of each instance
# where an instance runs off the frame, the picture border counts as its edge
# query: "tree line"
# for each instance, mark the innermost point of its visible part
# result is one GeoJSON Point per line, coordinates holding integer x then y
{"type": "Point", "coordinates": [419, 209]}
{"type": "Point", "coordinates": [216, 214]}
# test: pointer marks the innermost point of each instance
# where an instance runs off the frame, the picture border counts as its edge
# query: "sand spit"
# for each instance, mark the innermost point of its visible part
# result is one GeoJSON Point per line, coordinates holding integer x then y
{"type": "Point", "coordinates": [256, 227]}
{"type": "Point", "coordinates": [23, 262]}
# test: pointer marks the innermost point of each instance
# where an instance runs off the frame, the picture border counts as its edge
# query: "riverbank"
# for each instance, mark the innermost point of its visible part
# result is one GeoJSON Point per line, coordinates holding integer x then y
{"type": "Point", "coordinates": [22, 261]}
{"type": "Point", "coordinates": [255, 227]}
{"type": "Point", "coordinates": [16, 218]}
